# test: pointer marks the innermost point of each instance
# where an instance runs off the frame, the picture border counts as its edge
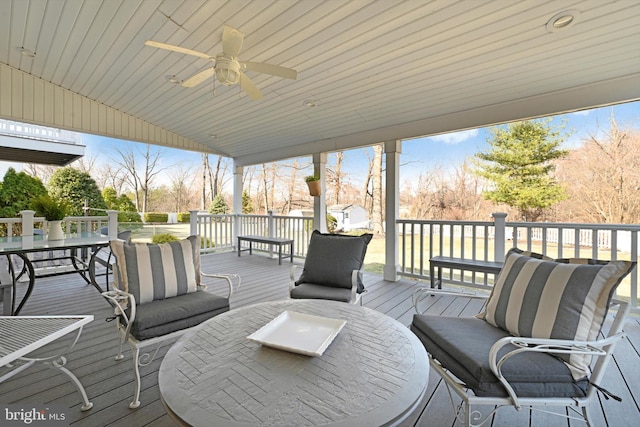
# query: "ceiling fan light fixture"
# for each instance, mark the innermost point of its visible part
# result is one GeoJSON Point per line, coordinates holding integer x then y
{"type": "Point", "coordinates": [227, 70]}
{"type": "Point", "coordinates": [562, 20]}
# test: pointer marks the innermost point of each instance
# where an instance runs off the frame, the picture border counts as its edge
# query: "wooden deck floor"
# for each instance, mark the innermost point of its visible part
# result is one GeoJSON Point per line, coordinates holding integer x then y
{"type": "Point", "coordinates": [109, 384]}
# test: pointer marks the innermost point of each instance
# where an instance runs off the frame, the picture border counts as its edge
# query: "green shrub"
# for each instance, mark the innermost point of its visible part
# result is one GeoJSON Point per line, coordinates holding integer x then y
{"type": "Point", "coordinates": [206, 243]}
{"type": "Point", "coordinates": [184, 217]}
{"type": "Point", "coordinates": [163, 238]}
{"type": "Point", "coordinates": [156, 217]}
{"type": "Point", "coordinates": [129, 217]}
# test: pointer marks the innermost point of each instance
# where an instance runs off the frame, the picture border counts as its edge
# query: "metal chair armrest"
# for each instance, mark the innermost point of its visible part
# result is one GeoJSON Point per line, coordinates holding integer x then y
{"type": "Point", "coordinates": [120, 301]}
{"type": "Point", "coordinates": [597, 348]}
{"type": "Point", "coordinates": [226, 277]}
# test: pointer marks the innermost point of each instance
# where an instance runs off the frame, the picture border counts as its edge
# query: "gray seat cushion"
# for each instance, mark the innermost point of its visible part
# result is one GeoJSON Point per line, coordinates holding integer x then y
{"type": "Point", "coordinates": [462, 346]}
{"type": "Point", "coordinates": [311, 291]}
{"type": "Point", "coordinates": [163, 317]}
{"type": "Point", "coordinates": [331, 259]}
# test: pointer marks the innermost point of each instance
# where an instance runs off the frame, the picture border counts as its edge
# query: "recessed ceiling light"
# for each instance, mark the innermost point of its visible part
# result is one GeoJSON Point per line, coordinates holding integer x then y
{"type": "Point", "coordinates": [562, 20]}
{"type": "Point", "coordinates": [26, 52]}
{"type": "Point", "coordinates": [174, 80]}
{"type": "Point", "coordinates": [212, 136]}
{"type": "Point", "coordinates": [309, 103]}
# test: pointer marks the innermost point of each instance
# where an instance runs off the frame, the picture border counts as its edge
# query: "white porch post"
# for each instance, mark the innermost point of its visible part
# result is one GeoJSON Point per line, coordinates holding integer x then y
{"type": "Point", "coordinates": [499, 219]}
{"type": "Point", "coordinates": [237, 202]}
{"type": "Point", "coordinates": [27, 222]}
{"type": "Point", "coordinates": [112, 224]}
{"type": "Point", "coordinates": [193, 222]}
{"type": "Point", "coordinates": [392, 151]}
{"type": "Point", "coordinates": [320, 203]}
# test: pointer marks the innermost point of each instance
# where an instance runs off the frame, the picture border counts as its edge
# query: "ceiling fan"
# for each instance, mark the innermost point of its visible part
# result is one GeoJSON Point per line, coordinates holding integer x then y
{"type": "Point", "coordinates": [227, 68]}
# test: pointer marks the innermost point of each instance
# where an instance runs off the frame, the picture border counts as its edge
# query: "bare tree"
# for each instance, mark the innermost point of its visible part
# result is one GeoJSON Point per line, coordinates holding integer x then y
{"type": "Point", "coordinates": [205, 168]}
{"type": "Point", "coordinates": [603, 177]}
{"type": "Point", "coordinates": [85, 164]}
{"type": "Point", "coordinates": [336, 177]}
{"type": "Point", "coordinates": [181, 188]}
{"type": "Point", "coordinates": [42, 172]}
{"type": "Point", "coordinates": [140, 174]}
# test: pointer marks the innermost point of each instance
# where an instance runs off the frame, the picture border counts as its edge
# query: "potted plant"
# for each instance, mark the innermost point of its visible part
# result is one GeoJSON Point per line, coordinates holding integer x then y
{"type": "Point", "coordinates": [313, 182]}
{"type": "Point", "coordinates": [54, 211]}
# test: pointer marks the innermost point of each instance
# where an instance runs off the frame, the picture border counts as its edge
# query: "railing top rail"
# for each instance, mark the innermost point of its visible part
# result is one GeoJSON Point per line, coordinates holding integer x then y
{"type": "Point", "coordinates": [446, 222]}
{"type": "Point", "coordinates": [573, 225]}
{"type": "Point", "coordinates": [569, 225]}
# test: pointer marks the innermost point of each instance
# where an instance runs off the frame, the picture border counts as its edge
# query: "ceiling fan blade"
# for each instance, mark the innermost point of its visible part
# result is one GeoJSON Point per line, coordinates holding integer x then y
{"type": "Point", "coordinates": [250, 89]}
{"type": "Point", "coordinates": [274, 70]}
{"type": "Point", "coordinates": [177, 49]}
{"type": "Point", "coordinates": [231, 41]}
{"type": "Point", "coordinates": [198, 78]}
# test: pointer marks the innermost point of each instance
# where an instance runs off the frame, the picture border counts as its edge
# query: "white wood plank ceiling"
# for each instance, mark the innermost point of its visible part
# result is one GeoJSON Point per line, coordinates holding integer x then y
{"type": "Point", "coordinates": [377, 70]}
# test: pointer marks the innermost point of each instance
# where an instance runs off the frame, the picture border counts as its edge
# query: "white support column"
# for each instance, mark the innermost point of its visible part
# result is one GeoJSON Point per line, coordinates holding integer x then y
{"type": "Point", "coordinates": [499, 219]}
{"type": "Point", "coordinates": [237, 202]}
{"type": "Point", "coordinates": [112, 224]}
{"type": "Point", "coordinates": [320, 202]}
{"type": "Point", "coordinates": [27, 222]}
{"type": "Point", "coordinates": [193, 222]}
{"type": "Point", "coordinates": [392, 151]}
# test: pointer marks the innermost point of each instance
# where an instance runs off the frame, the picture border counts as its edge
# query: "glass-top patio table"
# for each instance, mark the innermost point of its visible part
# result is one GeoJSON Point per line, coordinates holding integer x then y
{"type": "Point", "coordinates": [22, 246]}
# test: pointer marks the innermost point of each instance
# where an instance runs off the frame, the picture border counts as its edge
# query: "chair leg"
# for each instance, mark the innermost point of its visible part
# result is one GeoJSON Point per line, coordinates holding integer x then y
{"type": "Point", "coordinates": [585, 414]}
{"type": "Point", "coordinates": [136, 372]}
{"type": "Point", "coordinates": [120, 356]}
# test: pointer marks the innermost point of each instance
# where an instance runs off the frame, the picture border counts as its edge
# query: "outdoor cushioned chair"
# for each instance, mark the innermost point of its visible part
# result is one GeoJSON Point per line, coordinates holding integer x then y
{"type": "Point", "coordinates": [332, 268]}
{"type": "Point", "coordinates": [158, 296]}
{"type": "Point", "coordinates": [534, 343]}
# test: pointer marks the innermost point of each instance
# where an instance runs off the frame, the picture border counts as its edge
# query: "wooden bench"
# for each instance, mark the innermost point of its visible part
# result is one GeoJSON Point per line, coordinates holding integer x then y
{"type": "Point", "coordinates": [478, 266]}
{"type": "Point", "coordinates": [269, 241]}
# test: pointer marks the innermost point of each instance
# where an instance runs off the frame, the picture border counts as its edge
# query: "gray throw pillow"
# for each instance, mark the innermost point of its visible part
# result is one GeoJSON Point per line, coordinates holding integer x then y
{"type": "Point", "coordinates": [331, 259]}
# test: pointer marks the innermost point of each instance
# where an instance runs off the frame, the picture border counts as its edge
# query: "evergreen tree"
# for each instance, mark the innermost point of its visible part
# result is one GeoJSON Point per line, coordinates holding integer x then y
{"type": "Point", "coordinates": [123, 204]}
{"type": "Point", "coordinates": [17, 190]}
{"type": "Point", "coordinates": [76, 187]}
{"type": "Point", "coordinates": [218, 205]}
{"type": "Point", "coordinates": [519, 164]}
{"type": "Point", "coordinates": [247, 206]}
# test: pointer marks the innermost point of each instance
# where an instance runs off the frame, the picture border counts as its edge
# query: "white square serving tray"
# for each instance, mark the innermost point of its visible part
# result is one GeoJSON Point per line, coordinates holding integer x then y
{"type": "Point", "coordinates": [299, 333]}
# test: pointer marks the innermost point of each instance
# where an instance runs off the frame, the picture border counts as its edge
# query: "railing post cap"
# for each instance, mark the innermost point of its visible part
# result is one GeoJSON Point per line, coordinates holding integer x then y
{"type": "Point", "coordinates": [27, 212]}
{"type": "Point", "coordinates": [499, 214]}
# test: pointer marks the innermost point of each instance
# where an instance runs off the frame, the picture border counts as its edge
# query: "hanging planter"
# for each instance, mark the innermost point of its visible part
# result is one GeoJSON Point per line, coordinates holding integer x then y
{"type": "Point", "coordinates": [313, 182]}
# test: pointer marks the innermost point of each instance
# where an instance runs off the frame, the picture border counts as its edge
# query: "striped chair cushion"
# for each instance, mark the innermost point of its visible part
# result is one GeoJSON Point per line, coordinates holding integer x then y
{"type": "Point", "coordinates": [562, 299]}
{"type": "Point", "coordinates": [155, 272]}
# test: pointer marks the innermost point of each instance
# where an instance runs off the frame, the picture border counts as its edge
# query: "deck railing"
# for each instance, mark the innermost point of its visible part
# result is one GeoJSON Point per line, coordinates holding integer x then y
{"type": "Point", "coordinates": [419, 240]}
{"type": "Point", "coordinates": [218, 231]}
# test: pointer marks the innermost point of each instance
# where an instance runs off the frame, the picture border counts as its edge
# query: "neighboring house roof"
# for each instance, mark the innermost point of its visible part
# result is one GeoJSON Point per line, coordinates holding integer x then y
{"type": "Point", "coordinates": [343, 208]}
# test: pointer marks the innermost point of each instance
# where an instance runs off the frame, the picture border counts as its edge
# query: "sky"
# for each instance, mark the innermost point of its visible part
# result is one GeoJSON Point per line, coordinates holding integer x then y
{"type": "Point", "coordinates": [418, 155]}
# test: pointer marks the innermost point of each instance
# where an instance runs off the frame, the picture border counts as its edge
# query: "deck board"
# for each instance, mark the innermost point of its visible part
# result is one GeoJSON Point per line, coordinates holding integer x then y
{"type": "Point", "coordinates": [110, 385]}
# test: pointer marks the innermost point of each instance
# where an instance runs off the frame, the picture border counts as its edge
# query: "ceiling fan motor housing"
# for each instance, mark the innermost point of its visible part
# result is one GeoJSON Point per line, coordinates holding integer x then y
{"type": "Point", "coordinates": [227, 70]}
